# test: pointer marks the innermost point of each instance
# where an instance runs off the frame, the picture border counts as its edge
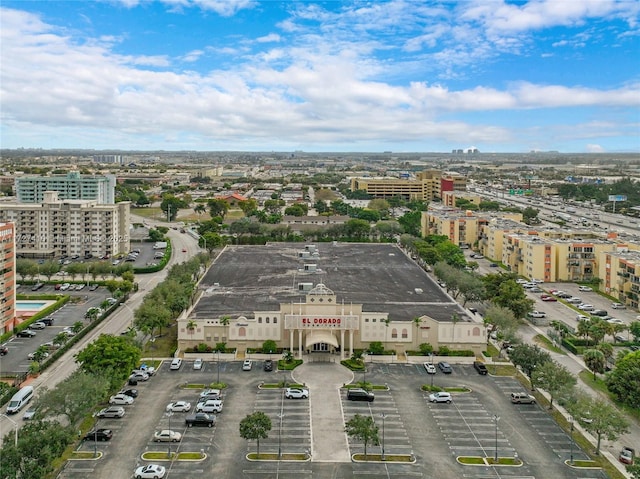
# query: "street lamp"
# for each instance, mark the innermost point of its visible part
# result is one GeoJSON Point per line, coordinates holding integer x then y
{"type": "Point", "coordinates": [280, 416]}
{"type": "Point", "coordinates": [383, 416]}
{"type": "Point", "coordinates": [15, 425]}
{"type": "Point", "coordinates": [496, 418]}
{"type": "Point", "coordinates": [432, 374]}
{"type": "Point", "coordinates": [218, 361]}
{"type": "Point", "coordinates": [169, 414]}
{"type": "Point", "coordinates": [571, 445]}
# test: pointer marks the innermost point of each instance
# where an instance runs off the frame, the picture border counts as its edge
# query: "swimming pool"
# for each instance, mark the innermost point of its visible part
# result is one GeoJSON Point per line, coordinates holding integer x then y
{"type": "Point", "coordinates": [31, 305]}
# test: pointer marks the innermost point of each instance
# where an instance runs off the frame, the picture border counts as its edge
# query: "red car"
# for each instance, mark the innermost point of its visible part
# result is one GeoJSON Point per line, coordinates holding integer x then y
{"type": "Point", "coordinates": [547, 297]}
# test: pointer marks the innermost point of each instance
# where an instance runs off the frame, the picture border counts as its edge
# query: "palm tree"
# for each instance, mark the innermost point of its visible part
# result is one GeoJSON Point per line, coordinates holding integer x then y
{"type": "Point", "coordinates": [386, 322]}
{"type": "Point", "coordinates": [225, 320]}
{"type": "Point", "coordinates": [418, 322]}
{"type": "Point", "coordinates": [191, 327]}
{"type": "Point", "coordinates": [454, 319]}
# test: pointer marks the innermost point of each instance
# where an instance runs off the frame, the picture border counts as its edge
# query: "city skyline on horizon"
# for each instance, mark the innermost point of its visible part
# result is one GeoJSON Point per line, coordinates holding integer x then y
{"type": "Point", "coordinates": [397, 76]}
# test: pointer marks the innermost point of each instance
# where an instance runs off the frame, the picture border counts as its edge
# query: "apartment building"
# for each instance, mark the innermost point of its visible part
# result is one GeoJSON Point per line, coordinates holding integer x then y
{"type": "Point", "coordinates": [427, 185]}
{"type": "Point", "coordinates": [7, 277]}
{"type": "Point", "coordinates": [620, 274]}
{"type": "Point", "coordinates": [72, 186]}
{"type": "Point", "coordinates": [59, 227]}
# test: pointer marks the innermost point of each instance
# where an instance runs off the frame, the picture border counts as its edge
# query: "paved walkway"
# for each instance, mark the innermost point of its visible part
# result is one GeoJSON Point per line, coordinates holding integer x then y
{"type": "Point", "coordinates": [328, 439]}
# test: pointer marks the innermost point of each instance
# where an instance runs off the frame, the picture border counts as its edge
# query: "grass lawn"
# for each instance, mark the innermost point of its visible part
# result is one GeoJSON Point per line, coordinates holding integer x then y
{"type": "Point", "coordinates": [547, 344]}
{"type": "Point", "coordinates": [163, 346]}
{"type": "Point", "coordinates": [274, 457]}
{"type": "Point", "coordinates": [599, 385]}
{"type": "Point", "coordinates": [151, 212]}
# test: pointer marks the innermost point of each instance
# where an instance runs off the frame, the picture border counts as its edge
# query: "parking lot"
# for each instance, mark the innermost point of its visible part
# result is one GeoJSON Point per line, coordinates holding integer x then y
{"type": "Point", "coordinates": [19, 348]}
{"type": "Point", "coordinates": [435, 433]}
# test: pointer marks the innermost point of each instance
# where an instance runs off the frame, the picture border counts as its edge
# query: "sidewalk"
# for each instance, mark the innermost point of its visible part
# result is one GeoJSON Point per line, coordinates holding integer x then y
{"type": "Point", "coordinates": [609, 449]}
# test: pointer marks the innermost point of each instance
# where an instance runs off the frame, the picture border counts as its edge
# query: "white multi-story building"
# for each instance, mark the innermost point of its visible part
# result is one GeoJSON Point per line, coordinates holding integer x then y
{"type": "Point", "coordinates": [72, 186]}
{"type": "Point", "coordinates": [59, 227]}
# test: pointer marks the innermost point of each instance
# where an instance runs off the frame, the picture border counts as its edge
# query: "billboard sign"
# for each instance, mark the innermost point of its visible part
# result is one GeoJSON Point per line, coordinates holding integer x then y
{"type": "Point", "coordinates": [617, 198]}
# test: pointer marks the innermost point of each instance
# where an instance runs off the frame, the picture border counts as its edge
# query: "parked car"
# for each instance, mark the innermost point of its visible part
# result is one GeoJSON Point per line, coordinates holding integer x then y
{"type": "Point", "coordinates": [200, 419]}
{"type": "Point", "coordinates": [246, 365]}
{"type": "Point", "coordinates": [440, 397]}
{"type": "Point", "coordinates": [80, 287]}
{"type": "Point", "coordinates": [48, 321]}
{"type": "Point", "coordinates": [268, 365]}
{"type": "Point", "coordinates": [150, 471]}
{"type": "Point", "coordinates": [33, 355]}
{"type": "Point", "coordinates": [98, 435]}
{"type": "Point", "coordinates": [65, 286]}
{"type": "Point", "coordinates": [357, 394]}
{"type": "Point", "coordinates": [139, 376]}
{"type": "Point", "coordinates": [547, 297]}
{"type": "Point", "coordinates": [445, 367]}
{"type": "Point", "coordinates": [26, 333]}
{"type": "Point", "coordinates": [209, 406]}
{"type": "Point", "coordinates": [3, 349]}
{"type": "Point", "coordinates": [111, 412]}
{"type": "Point", "coordinates": [130, 392]}
{"type": "Point", "coordinates": [210, 394]}
{"type": "Point", "coordinates": [179, 406]}
{"type": "Point", "coordinates": [586, 307]}
{"type": "Point", "coordinates": [599, 312]}
{"type": "Point", "coordinates": [537, 314]}
{"type": "Point", "coordinates": [574, 300]}
{"type": "Point", "coordinates": [296, 393]}
{"type": "Point", "coordinates": [93, 287]}
{"type": "Point", "coordinates": [627, 455]}
{"type": "Point", "coordinates": [37, 286]}
{"type": "Point", "coordinates": [197, 363]}
{"type": "Point", "coordinates": [38, 325]}
{"type": "Point", "coordinates": [480, 367]}
{"type": "Point", "coordinates": [166, 435]}
{"type": "Point", "coordinates": [121, 399]}
{"type": "Point", "coordinates": [585, 288]}
{"type": "Point", "coordinates": [522, 398]}
{"type": "Point", "coordinates": [30, 413]}
{"type": "Point", "coordinates": [175, 364]}
{"type": "Point", "coordinates": [430, 368]}
{"type": "Point", "coordinates": [615, 321]}
{"type": "Point", "coordinates": [582, 317]}
{"type": "Point", "coordinates": [618, 306]}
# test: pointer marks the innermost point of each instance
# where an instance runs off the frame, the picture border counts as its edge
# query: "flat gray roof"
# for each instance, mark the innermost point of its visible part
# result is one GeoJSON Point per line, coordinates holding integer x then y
{"type": "Point", "coordinates": [381, 277]}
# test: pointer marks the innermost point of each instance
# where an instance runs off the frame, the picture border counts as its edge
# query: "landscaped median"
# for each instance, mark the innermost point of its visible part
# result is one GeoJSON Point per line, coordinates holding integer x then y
{"type": "Point", "coordinates": [489, 461]}
{"type": "Point", "coordinates": [272, 456]}
{"type": "Point", "coordinates": [175, 456]}
{"type": "Point", "coordinates": [397, 458]}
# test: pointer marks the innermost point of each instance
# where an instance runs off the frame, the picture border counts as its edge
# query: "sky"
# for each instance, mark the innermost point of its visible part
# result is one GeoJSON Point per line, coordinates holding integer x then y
{"type": "Point", "coordinates": [316, 76]}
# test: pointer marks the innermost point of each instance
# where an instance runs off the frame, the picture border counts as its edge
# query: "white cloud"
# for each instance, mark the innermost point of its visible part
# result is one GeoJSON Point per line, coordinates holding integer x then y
{"type": "Point", "coordinates": [192, 56]}
{"type": "Point", "coordinates": [272, 37]}
{"type": "Point", "coordinates": [592, 148]}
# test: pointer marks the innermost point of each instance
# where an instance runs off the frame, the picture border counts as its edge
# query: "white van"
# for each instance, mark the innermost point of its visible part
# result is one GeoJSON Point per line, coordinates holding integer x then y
{"type": "Point", "coordinates": [19, 399]}
{"type": "Point", "coordinates": [176, 363]}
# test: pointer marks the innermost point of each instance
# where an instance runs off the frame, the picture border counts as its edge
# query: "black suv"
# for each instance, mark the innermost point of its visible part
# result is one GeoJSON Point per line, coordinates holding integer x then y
{"type": "Point", "coordinates": [480, 367]}
{"type": "Point", "coordinates": [268, 365]}
{"type": "Point", "coordinates": [360, 395]}
{"type": "Point", "coordinates": [3, 350]}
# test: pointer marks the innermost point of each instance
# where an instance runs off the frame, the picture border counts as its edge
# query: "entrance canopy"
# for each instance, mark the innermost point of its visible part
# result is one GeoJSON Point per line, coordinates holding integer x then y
{"type": "Point", "coordinates": [315, 337]}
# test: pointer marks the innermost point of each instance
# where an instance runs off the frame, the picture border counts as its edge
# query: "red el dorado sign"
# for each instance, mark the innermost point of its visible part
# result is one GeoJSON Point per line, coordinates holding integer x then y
{"type": "Point", "coordinates": [324, 322]}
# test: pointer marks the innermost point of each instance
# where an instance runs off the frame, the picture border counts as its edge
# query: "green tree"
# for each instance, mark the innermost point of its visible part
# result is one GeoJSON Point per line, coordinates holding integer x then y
{"type": "Point", "coordinates": [210, 241]}
{"type": "Point", "coordinates": [553, 378]}
{"type": "Point", "coordinates": [151, 315]}
{"type": "Point", "coordinates": [529, 358]}
{"type": "Point", "coordinates": [362, 428]}
{"type": "Point", "coordinates": [218, 207]}
{"type": "Point", "coordinates": [594, 360]}
{"type": "Point", "coordinates": [634, 329]}
{"type": "Point", "coordinates": [170, 206]}
{"type": "Point", "coordinates": [117, 355]}
{"type": "Point", "coordinates": [599, 418]}
{"type": "Point", "coordinates": [502, 320]}
{"type": "Point", "coordinates": [26, 268]}
{"type": "Point", "coordinates": [269, 346]}
{"type": "Point", "coordinates": [74, 396]}
{"type": "Point", "coordinates": [49, 268]}
{"type": "Point", "coordinates": [255, 426]}
{"type": "Point", "coordinates": [624, 380]}
{"type": "Point", "coordinates": [411, 222]}
{"type": "Point", "coordinates": [376, 347]}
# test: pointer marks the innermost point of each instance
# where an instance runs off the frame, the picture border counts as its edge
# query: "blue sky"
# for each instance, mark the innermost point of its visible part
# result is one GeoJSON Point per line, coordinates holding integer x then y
{"type": "Point", "coordinates": [399, 75]}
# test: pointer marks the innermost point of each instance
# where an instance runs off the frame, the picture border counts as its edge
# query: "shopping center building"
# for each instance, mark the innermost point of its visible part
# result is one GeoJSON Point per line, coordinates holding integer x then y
{"type": "Point", "coordinates": [329, 297]}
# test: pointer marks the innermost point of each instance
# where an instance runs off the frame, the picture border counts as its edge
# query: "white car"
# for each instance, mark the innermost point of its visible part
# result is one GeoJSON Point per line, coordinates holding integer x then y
{"type": "Point", "coordinates": [296, 393]}
{"type": "Point", "coordinates": [197, 364]}
{"type": "Point", "coordinates": [615, 321]}
{"type": "Point", "coordinates": [139, 376]}
{"type": "Point", "coordinates": [537, 314]}
{"type": "Point", "coordinates": [150, 471]}
{"type": "Point", "coordinates": [179, 406]}
{"type": "Point", "coordinates": [618, 306]}
{"type": "Point", "coordinates": [210, 394]}
{"type": "Point", "coordinates": [586, 307]}
{"type": "Point", "coordinates": [582, 317]}
{"type": "Point", "coordinates": [430, 367]}
{"type": "Point", "coordinates": [246, 365]}
{"type": "Point", "coordinates": [574, 300]}
{"type": "Point", "coordinates": [166, 435]}
{"type": "Point", "coordinates": [121, 399]}
{"type": "Point", "coordinates": [586, 289]}
{"type": "Point", "coordinates": [65, 286]}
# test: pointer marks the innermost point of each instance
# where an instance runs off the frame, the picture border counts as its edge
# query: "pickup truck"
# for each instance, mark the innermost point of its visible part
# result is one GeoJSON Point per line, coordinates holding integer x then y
{"type": "Point", "coordinates": [200, 419]}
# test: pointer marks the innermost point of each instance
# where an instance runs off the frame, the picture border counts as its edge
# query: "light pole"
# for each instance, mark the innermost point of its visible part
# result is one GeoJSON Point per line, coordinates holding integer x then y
{"type": "Point", "coordinates": [432, 374]}
{"type": "Point", "coordinates": [383, 416]}
{"type": "Point", "coordinates": [169, 414]}
{"type": "Point", "coordinates": [95, 437]}
{"type": "Point", "coordinates": [496, 418]}
{"type": "Point", "coordinates": [280, 416]}
{"type": "Point", "coordinates": [15, 425]}
{"type": "Point", "coordinates": [218, 361]}
{"type": "Point", "coordinates": [571, 453]}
